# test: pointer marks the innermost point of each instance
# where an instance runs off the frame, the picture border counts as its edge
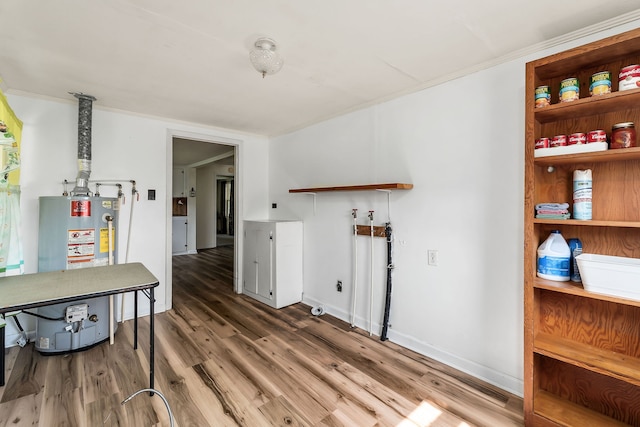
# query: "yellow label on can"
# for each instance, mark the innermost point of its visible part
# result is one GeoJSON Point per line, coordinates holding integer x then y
{"type": "Point", "coordinates": [569, 89]}
{"type": "Point", "coordinates": [600, 83]}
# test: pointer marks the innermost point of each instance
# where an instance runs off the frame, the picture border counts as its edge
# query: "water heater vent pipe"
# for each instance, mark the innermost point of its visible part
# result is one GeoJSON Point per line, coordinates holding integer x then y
{"type": "Point", "coordinates": [84, 144]}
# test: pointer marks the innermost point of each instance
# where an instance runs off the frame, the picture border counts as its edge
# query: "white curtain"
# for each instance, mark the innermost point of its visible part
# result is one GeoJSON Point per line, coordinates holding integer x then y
{"type": "Point", "coordinates": [11, 260]}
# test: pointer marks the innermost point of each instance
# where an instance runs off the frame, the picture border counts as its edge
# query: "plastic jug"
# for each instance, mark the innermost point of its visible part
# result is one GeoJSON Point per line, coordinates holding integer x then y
{"type": "Point", "coordinates": [553, 258]}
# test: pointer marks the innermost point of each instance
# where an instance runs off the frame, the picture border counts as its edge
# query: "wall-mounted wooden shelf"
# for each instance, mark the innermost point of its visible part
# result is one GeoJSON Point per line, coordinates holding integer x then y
{"type": "Point", "coordinates": [391, 186]}
{"type": "Point", "coordinates": [367, 187]}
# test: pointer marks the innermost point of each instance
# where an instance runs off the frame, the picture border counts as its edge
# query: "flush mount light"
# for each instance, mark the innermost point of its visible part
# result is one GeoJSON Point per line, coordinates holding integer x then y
{"type": "Point", "coordinates": [264, 57]}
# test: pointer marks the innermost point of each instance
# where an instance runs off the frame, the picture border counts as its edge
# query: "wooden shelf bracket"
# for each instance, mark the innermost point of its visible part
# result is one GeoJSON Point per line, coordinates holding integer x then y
{"type": "Point", "coordinates": [314, 199]}
{"type": "Point", "coordinates": [382, 190]}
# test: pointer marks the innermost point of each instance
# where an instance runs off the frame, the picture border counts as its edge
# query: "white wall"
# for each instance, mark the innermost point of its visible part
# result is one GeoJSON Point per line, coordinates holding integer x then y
{"type": "Point", "coordinates": [206, 208]}
{"type": "Point", "coordinates": [124, 147]}
{"type": "Point", "coordinates": [461, 145]}
{"type": "Point", "coordinates": [206, 196]}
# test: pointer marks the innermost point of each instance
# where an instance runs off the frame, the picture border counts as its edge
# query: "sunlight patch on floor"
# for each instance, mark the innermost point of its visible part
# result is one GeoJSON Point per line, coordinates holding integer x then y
{"type": "Point", "coordinates": [424, 415]}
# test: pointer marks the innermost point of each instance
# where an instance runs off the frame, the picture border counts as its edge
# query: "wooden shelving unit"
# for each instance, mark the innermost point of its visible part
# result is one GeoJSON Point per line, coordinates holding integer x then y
{"type": "Point", "coordinates": [391, 186]}
{"type": "Point", "coordinates": [582, 350]}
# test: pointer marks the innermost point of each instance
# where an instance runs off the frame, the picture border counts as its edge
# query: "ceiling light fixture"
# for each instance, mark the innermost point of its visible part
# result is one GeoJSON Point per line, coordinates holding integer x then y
{"type": "Point", "coordinates": [264, 57]}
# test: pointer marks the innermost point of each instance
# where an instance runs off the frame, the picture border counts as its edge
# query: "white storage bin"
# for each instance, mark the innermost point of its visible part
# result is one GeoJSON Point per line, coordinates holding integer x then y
{"type": "Point", "coordinates": [610, 275]}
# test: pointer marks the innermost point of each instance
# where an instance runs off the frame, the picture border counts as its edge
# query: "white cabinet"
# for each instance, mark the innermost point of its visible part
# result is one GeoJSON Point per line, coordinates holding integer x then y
{"type": "Point", "coordinates": [179, 235]}
{"type": "Point", "coordinates": [179, 182]}
{"type": "Point", "coordinates": [273, 262]}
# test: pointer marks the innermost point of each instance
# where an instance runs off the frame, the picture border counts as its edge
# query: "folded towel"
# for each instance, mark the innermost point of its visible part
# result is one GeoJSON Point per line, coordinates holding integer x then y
{"type": "Point", "coordinates": [552, 206]}
{"type": "Point", "coordinates": [547, 216]}
{"type": "Point", "coordinates": [552, 211]}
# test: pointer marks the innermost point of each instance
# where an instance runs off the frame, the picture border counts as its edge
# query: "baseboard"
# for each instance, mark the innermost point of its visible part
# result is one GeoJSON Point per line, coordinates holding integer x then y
{"type": "Point", "coordinates": [499, 379]}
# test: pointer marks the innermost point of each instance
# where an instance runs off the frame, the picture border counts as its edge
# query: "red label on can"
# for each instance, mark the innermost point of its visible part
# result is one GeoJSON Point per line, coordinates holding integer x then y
{"type": "Point", "coordinates": [80, 208]}
{"type": "Point", "coordinates": [559, 141]}
{"type": "Point", "coordinates": [629, 77]}
{"type": "Point", "coordinates": [577, 138]}
{"type": "Point", "coordinates": [596, 136]}
{"type": "Point", "coordinates": [542, 143]}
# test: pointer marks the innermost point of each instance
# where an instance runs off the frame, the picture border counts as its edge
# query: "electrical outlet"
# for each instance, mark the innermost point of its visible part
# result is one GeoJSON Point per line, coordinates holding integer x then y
{"type": "Point", "coordinates": [432, 257]}
{"type": "Point", "coordinates": [339, 286]}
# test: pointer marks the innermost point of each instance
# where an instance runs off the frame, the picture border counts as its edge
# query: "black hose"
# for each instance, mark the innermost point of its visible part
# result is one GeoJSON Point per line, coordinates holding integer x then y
{"type": "Point", "coordinates": [15, 319]}
{"type": "Point", "coordinates": [41, 316]}
{"type": "Point", "coordinates": [387, 302]}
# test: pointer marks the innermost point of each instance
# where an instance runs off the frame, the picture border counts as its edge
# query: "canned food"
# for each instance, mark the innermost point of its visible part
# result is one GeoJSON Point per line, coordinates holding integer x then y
{"type": "Point", "coordinates": [577, 138]}
{"type": "Point", "coordinates": [569, 89]}
{"type": "Point", "coordinates": [629, 77]}
{"type": "Point", "coordinates": [600, 83]}
{"type": "Point", "coordinates": [597, 135]}
{"type": "Point", "coordinates": [543, 96]}
{"type": "Point", "coordinates": [558, 141]}
{"type": "Point", "coordinates": [623, 135]}
{"type": "Point", "coordinates": [542, 142]}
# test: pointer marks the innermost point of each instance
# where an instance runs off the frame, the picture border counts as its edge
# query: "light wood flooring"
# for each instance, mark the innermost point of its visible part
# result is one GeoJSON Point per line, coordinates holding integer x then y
{"type": "Point", "coordinates": [225, 360]}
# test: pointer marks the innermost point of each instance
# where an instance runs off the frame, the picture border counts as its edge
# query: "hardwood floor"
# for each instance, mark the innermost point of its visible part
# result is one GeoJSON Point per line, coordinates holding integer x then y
{"type": "Point", "coordinates": [225, 360]}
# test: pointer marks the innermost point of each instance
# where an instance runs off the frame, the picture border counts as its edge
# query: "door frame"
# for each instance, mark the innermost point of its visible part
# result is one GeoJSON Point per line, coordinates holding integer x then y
{"type": "Point", "coordinates": [238, 205]}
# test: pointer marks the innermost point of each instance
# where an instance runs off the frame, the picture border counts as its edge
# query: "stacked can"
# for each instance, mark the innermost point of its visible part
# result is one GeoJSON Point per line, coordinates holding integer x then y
{"type": "Point", "coordinates": [577, 138]}
{"type": "Point", "coordinates": [629, 77]}
{"type": "Point", "coordinates": [569, 89]}
{"type": "Point", "coordinates": [543, 96]}
{"type": "Point", "coordinates": [600, 83]}
{"type": "Point", "coordinates": [597, 135]}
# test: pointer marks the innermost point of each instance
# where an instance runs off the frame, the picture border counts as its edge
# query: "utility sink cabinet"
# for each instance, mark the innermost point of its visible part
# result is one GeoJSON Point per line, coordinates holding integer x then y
{"type": "Point", "coordinates": [273, 262]}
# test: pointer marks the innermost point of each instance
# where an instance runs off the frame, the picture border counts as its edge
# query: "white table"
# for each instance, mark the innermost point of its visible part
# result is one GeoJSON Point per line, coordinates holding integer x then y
{"type": "Point", "coordinates": [41, 289]}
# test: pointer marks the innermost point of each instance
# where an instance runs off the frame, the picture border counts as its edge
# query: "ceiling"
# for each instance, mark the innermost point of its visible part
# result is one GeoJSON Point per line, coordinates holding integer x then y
{"type": "Point", "coordinates": [192, 153]}
{"type": "Point", "coordinates": [188, 60]}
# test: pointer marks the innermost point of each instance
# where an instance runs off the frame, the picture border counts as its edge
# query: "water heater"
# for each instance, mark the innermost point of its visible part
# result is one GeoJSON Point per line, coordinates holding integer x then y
{"type": "Point", "coordinates": [74, 233]}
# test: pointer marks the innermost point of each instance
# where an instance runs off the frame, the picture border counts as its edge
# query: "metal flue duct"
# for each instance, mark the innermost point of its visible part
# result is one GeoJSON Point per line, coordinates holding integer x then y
{"type": "Point", "coordinates": [84, 144]}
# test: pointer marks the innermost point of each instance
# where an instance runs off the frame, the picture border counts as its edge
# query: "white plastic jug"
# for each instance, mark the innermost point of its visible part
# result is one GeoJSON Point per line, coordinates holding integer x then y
{"type": "Point", "coordinates": [553, 258]}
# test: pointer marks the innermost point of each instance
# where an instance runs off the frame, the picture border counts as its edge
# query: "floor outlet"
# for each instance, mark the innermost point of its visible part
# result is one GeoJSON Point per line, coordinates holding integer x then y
{"type": "Point", "coordinates": [432, 257]}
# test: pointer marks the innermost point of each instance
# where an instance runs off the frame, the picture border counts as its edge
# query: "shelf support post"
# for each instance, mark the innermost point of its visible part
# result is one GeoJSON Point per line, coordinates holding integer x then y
{"type": "Point", "coordinates": [314, 200]}
{"type": "Point", "coordinates": [388, 202]}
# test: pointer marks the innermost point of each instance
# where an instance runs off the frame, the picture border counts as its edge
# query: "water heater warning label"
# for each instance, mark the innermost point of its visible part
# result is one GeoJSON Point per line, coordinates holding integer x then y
{"type": "Point", "coordinates": [82, 236]}
{"type": "Point", "coordinates": [80, 247]}
{"type": "Point", "coordinates": [80, 208]}
{"type": "Point", "coordinates": [104, 239]}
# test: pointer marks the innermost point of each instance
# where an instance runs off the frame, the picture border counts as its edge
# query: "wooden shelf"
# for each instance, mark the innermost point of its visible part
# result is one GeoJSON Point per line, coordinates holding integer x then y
{"type": "Point", "coordinates": [573, 288]}
{"type": "Point", "coordinates": [566, 413]}
{"type": "Point", "coordinates": [604, 362]}
{"type": "Point", "coordinates": [595, 54]}
{"type": "Point", "coordinates": [572, 376]}
{"type": "Point", "coordinates": [391, 186]}
{"type": "Point", "coordinates": [594, 105]}
{"type": "Point", "coordinates": [618, 155]}
{"type": "Point", "coordinates": [588, 223]}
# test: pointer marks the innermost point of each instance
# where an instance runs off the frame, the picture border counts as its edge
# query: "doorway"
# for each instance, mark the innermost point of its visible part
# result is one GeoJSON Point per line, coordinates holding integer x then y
{"type": "Point", "coordinates": [202, 160]}
{"type": "Point", "coordinates": [225, 201]}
